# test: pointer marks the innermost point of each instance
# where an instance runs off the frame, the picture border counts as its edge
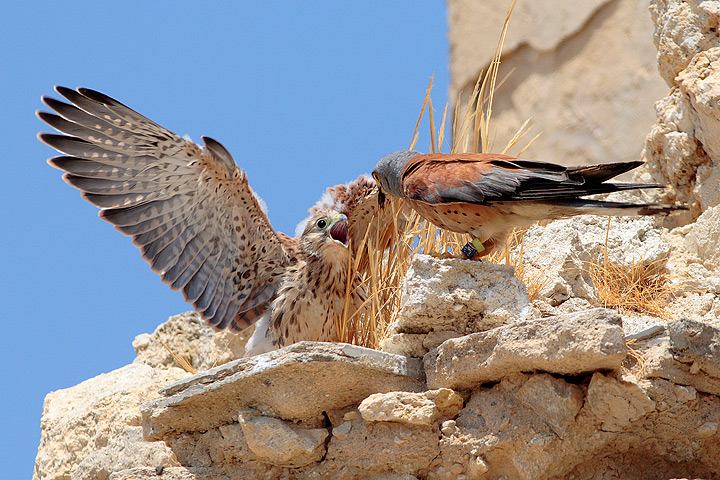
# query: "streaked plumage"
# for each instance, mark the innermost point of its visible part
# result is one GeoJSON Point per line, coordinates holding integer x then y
{"type": "Point", "coordinates": [487, 195]}
{"type": "Point", "coordinates": [199, 225]}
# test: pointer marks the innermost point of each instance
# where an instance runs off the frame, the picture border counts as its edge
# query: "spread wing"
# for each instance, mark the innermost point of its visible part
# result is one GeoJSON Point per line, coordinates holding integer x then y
{"type": "Point", "coordinates": [188, 208]}
{"type": "Point", "coordinates": [358, 200]}
{"type": "Point", "coordinates": [486, 178]}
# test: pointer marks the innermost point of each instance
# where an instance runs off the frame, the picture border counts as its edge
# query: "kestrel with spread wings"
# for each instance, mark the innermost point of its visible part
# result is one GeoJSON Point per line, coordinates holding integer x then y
{"type": "Point", "coordinates": [200, 226]}
{"type": "Point", "coordinates": [488, 195]}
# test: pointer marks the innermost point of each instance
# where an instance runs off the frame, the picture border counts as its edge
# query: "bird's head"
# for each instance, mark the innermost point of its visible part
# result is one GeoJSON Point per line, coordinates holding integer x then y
{"type": "Point", "coordinates": [388, 171]}
{"type": "Point", "coordinates": [326, 233]}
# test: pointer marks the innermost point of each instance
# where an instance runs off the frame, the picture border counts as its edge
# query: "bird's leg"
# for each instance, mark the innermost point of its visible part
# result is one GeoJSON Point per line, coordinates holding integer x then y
{"type": "Point", "coordinates": [477, 248]}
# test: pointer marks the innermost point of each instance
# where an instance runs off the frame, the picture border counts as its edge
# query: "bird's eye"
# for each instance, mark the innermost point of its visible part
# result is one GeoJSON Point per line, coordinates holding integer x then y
{"type": "Point", "coordinates": [322, 223]}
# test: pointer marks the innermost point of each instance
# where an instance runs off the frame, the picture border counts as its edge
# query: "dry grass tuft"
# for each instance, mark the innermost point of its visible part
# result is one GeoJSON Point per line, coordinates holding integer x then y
{"type": "Point", "coordinates": [638, 287]}
{"type": "Point", "coordinates": [412, 234]}
{"type": "Point", "coordinates": [635, 361]}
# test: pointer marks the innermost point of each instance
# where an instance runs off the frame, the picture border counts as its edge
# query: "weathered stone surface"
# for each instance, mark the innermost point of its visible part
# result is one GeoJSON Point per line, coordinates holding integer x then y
{"type": "Point", "coordinates": [563, 252]}
{"type": "Point", "coordinates": [617, 403]}
{"type": "Point", "coordinates": [689, 354]}
{"type": "Point", "coordinates": [682, 30]}
{"type": "Point", "coordinates": [281, 443]}
{"type": "Point", "coordinates": [93, 429]}
{"type": "Point", "coordinates": [298, 382]}
{"type": "Point", "coordinates": [360, 449]}
{"type": "Point", "coordinates": [566, 344]}
{"type": "Point", "coordinates": [166, 473]}
{"type": "Point", "coordinates": [594, 61]}
{"type": "Point", "coordinates": [459, 296]}
{"type": "Point", "coordinates": [683, 148]}
{"type": "Point", "coordinates": [552, 399]}
{"type": "Point", "coordinates": [423, 408]}
{"type": "Point", "coordinates": [703, 239]}
{"type": "Point", "coordinates": [191, 339]}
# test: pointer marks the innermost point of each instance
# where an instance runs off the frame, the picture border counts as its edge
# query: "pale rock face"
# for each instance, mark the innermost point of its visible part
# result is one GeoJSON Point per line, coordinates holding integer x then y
{"type": "Point", "coordinates": [568, 344]}
{"type": "Point", "coordinates": [448, 298]}
{"type": "Point", "coordinates": [424, 408]}
{"type": "Point", "coordinates": [564, 251]}
{"type": "Point", "coordinates": [280, 443]}
{"type": "Point", "coordinates": [682, 30]}
{"type": "Point", "coordinates": [94, 428]}
{"type": "Point", "coordinates": [584, 73]}
{"type": "Point", "coordinates": [618, 404]}
{"type": "Point", "coordinates": [190, 338]}
{"type": "Point", "coordinates": [683, 148]}
{"type": "Point", "coordinates": [506, 388]}
{"type": "Point", "coordinates": [703, 239]}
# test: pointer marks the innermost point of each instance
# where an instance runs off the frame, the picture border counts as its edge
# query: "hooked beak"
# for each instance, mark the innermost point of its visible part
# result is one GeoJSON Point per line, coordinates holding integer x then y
{"type": "Point", "coordinates": [381, 197]}
{"type": "Point", "coordinates": [339, 229]}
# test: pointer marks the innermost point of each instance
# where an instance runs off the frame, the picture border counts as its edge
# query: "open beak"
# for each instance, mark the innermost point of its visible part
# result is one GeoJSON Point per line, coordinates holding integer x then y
{"type": "Point", "coordinates": [339, 229]}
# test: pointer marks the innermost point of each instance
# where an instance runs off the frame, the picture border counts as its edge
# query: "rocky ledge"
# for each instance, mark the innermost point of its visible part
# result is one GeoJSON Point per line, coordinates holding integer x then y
{"type": "Point", "coordinates": [476, 380]}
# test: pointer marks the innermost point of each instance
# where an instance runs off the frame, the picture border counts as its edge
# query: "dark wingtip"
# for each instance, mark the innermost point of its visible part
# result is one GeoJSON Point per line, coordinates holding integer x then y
{"type": "Point", "coordinates": [95, 95]}
{"type": "Point", "coordinates": [221, 153]}
{"type": "Point", "coordinates": [65, 92]}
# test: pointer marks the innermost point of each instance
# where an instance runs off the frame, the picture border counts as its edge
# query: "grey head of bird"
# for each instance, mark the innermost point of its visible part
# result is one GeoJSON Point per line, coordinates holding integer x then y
{"type": "Point", "coordinates": [326, 234]}
{"type": "Point", "coordinates": [388, 170]}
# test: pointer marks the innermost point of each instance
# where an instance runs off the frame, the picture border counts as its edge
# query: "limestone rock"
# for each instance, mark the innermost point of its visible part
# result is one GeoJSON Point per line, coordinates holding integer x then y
{"type": "Point", "coordinates": [594, 61]}
{"type": "Point", "coordinates": [566, 344]}
{"type": "Point", "coordinates": [555, 401]}
{"type": "Point", "coordinates": [93, 429]}
{"type": "Point", "coordinates": [683, 148]}
{"type": "Point", "coordinates": [359, 449]}
{"type": "Point", "coordinates": [165, 473]}
{"type": "Point", "coordinates": [412, 408]}
{"type": "Point", "coordinates": [689, 354]}
{"type": "Point", "coordinates": [459, 295]}
{"type": "Point", "coordinates": [616, 403]}
{"type": "Point", "coordinates": [683, 29]}
{"type": "Point", "coordinates": [700, 81]}
{"type": "Point", "coordinates": [191, 339]}
{"type": "Point", "coordinates": [703, 240]}
{"type": "Point", "coordinates": [281, 443]}
{"type": "Point", "coordinates": [562, 253]}
{"type": "Point", "coordinates": [297, 382]}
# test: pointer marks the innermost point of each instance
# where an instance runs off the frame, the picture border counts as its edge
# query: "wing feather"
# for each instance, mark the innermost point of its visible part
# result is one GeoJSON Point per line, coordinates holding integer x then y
{"type": "Point", "coordinates": [188, 208]}
{"type": "Point", "coordinates": [487, 178]}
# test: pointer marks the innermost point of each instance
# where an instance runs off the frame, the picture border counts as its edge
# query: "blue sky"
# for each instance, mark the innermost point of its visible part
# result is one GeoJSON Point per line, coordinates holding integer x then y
{"type": "Point", "coordinates": [305, 95]}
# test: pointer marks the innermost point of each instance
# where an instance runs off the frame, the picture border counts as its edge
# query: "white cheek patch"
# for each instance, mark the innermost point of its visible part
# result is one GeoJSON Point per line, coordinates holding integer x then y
{"type": "Point", "coordinates": [300, 227]}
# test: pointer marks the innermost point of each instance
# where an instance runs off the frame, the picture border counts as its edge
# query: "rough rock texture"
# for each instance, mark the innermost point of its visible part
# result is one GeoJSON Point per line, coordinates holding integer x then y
{"type": "Point", "coordinates": [563, 252]}
{"type": "Point", "coordinates": [553, 397]}
{"type": "Point", "coordinates": [584, 72]}
{"type": "Point", "coordinates": [683, 147]}
{"type": "Point", "coordinates": [297, 383]}
{"type": "Point", "coordinates": [280, 443]}
{"type": "Point", "coordinates": [94, 428]}
{"type": "Point", "coordinates": [507, 388]}
{"type": "Point", "coordinates": [423, 408]}
{"type": "Point", "coordinates": [448, 298]}
{"type": "Point", "coordinates": [569, 344]}
{"type": "Point", "coordinates": [191, 339]}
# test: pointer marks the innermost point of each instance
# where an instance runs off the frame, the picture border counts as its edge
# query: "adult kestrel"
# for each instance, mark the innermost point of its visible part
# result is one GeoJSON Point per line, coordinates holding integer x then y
{"type": "Point", "coordinates": [487, 195]}
{"type": "Point", "coordinates": [200, 226]}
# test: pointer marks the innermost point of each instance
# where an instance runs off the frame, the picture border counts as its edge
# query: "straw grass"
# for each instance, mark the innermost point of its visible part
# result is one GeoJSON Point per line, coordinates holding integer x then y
{"type": "Point", "coordinates": [386, 269]}
{"type": "Point", "coordinates": [638, 287]}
